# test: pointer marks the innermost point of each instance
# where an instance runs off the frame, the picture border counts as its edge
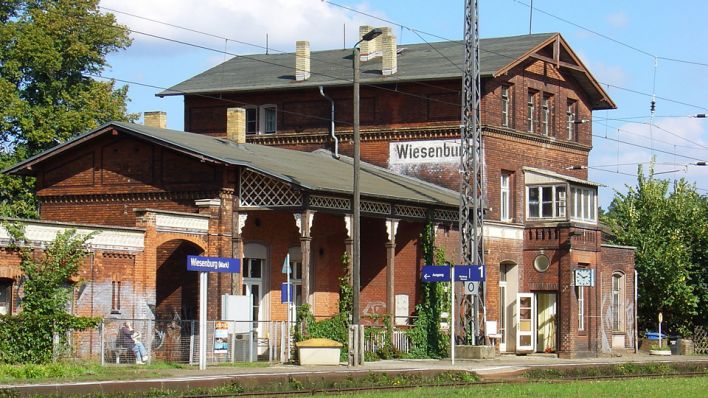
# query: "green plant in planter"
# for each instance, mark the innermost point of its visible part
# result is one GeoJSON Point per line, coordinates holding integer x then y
{"type": "Point", "coordinates": [655, 347]}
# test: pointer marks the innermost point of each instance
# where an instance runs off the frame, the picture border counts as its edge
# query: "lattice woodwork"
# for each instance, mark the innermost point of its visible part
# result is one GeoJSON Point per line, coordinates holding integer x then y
{"type": "Point", "coordinates": [700, 340]}
{"type": "Point", "coordinates": [375, 207]}
{"type": "Point", "coordinates": [446, 215]}
{"type": "Point", "coordinates": [330, 202]}
{"type": "Point", "coordinates": [258, 190]}
{"type": "Point", "coordinates": [410, 211]}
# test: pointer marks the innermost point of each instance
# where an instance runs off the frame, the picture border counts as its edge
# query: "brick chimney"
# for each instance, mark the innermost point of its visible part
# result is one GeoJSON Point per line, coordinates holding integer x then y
{"type": "Point", "coordinates": [368, 49]}
{"type": "Point", "coordinates": [155, 119]}
{"type": "Point", "coordinates": [236, 125]}
{"type": "Point", "coordinates": [389, 62]}
{"type": "Point", "coordinates": [302, 60]}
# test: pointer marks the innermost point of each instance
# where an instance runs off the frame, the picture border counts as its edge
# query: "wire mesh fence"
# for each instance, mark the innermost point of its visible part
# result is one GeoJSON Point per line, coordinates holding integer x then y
{"type": "Point", "coordinates": [177, 341]}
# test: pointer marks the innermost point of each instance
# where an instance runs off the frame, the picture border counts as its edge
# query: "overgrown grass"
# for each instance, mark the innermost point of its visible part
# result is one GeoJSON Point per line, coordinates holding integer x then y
{"type": "Point", "coordinates": [94, 371]}
{"type": "Point", "coordinates": [659, 388]}
{"type": "Point", "coordinates": [623, 369]}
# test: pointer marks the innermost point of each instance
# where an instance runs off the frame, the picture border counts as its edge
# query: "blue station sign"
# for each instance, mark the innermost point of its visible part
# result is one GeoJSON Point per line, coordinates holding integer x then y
{"type": "Point", "coordinates": [435, 273]}
{"type": "Point", "coordinates": [213, 264]}
{"type": "Point", "coordinates": [463, 273]}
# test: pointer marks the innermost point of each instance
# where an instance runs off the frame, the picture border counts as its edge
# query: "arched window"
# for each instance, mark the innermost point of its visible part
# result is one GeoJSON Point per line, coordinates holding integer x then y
{"type": "Point", "coordinates": [617, 309]}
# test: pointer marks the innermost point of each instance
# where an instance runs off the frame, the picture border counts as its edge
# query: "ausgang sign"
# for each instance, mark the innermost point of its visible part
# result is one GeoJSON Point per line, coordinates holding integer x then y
{"type": "Point", "coordinates": [417, 152]}
{"type": "Point", "coordinates": [213, 264]}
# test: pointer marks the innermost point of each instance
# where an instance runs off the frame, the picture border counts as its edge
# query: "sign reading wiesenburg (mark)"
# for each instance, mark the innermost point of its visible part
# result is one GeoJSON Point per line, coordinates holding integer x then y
{"type": "Point", "coordinates": [213, 264]}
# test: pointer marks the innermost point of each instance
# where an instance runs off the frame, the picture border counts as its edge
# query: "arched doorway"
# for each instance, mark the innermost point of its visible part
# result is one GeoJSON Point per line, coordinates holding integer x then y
{"type": "Point", "coordinates": [176, 289]}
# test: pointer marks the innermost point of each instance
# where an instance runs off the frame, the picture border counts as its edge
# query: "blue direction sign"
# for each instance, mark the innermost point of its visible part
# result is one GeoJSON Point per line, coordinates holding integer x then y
{"type": "Point", "coordinates": [463, 273]}
{"type": "Point", "coordinates": [213, 264]}
{"type": "Point", "coordinates": [435, 273]}
{"type": "Point", "coordinates": [470, 273]}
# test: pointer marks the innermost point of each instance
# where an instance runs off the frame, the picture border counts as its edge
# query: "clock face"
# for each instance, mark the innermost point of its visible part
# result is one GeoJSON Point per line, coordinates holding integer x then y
{"type": "Point", "coordinates": [583, 277]}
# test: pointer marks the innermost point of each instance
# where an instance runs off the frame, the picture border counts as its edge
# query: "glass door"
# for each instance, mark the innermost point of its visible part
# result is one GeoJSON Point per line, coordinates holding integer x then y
{"type": "Point", "coordinates": [525, 332]}
{"type": "Point", "coordinates": [253, 287]}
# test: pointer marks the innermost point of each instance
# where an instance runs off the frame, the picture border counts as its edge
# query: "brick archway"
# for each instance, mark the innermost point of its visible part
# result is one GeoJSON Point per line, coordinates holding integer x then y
{"type": "Point", "coordinates": [176, 289]}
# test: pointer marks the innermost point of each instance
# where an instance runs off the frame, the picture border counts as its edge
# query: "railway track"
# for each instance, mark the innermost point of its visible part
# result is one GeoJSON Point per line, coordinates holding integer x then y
{"type": "Point", "coordinates": [352, 390]}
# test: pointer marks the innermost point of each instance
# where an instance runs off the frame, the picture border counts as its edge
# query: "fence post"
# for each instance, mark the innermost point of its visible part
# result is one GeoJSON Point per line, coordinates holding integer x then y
{"type": "Point", "coordinates": [361, 344]}
{"type": "Point", "coordinates": [233, 341]}
{"type": "Point", "coordinates": [150, 335]}
{"type": "Point", "coordinates": [102, 341]}
{"type": "Point", "coordinates": [191, 343]}
{"type": "Point", "coordinates": [283, 358]}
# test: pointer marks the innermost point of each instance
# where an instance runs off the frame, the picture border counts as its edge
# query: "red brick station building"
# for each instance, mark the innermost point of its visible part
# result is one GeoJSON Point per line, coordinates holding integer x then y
{"type": "Point", "coordinates": [263, 169]}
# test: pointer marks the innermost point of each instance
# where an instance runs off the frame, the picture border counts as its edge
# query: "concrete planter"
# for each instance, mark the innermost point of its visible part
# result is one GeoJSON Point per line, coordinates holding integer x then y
{"type": "Point", "coordinates": [660, 352]}
{"type": "Point", "coordinates": [318, 352]}
{"type": "Point", "coordinates": [475, 351]}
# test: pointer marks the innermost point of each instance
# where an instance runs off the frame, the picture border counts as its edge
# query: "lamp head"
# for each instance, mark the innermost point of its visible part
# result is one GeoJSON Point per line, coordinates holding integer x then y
{"type": "Point", "coordinates": [372, 34]}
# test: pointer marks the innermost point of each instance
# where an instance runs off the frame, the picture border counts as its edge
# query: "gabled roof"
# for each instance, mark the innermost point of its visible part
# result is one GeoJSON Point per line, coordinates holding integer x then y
{"type": "Point", "coordinates": [416, 62]}
{"type": "Point", "coordinates": [314, 171]}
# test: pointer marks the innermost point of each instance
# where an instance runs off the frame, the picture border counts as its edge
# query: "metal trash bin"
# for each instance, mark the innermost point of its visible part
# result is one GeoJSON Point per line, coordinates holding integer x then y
{"type": "Point", "coordinates": [673, 344]}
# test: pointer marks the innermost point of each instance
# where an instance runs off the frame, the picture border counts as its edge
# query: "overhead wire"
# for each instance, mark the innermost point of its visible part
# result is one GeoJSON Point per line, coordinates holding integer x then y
{"type": "Point", "coordinates": [604, 36]}
{"type": "Point", "coordinates": [338, 78]}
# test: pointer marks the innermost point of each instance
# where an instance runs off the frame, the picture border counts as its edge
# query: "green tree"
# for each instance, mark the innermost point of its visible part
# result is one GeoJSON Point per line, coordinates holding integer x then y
{"type": "Point", "coordinates": [668, 224]}
{"type": "Point", "coordinates": [48, 287]}
{"type": "Point", "coordinates": [48, 50]}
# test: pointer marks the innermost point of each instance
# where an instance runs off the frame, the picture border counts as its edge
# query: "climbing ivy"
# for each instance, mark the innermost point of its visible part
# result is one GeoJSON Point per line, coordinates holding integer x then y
{"type": "Point", "coordinates": [427, 341]}
{"type": "Point", "coordinates": [336, 327]}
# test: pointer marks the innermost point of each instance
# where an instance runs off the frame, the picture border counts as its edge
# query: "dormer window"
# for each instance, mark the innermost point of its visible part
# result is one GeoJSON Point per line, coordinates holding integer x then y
{"type": "Point", "coordinates": [548, 201]}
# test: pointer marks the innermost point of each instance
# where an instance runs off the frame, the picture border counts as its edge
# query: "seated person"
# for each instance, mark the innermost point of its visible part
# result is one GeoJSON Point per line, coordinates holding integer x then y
{"type": "Point", "coordinates": [128, 338]}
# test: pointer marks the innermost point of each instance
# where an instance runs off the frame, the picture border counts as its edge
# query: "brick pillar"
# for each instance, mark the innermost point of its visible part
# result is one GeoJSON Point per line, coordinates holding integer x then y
{"type": "Point", "coordinates": [349, 245]}
{"type": "Point", "coordinates": [304, 224]}
{"type": "Point", "coordinates": [239, 222]}
{"type": "Point", "coordinates": [148, 261]}
{"type": "Point", "coordinates": [391, 228]}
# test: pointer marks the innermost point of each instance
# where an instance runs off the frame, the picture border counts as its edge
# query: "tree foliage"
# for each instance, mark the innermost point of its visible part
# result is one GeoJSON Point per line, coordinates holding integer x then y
{"type": "Point", "coordinates": [47, 286]}
{"type": "Point", "coordinates": [668, 224]}
{"type": "Point", "coordinates": [48, 50]}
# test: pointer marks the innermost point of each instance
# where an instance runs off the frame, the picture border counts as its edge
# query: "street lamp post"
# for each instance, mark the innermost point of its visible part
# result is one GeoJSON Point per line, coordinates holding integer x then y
{"type": "Point", "coordinates": [356, 250]}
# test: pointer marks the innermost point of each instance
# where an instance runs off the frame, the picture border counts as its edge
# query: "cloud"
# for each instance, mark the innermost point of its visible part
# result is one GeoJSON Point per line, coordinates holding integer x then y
{"type": "Point", "coordinates": [247, 21]}
{"type": "Point", "coordinates": [612, 74]}
{"type": "Point", "coordinates": [618, 19]}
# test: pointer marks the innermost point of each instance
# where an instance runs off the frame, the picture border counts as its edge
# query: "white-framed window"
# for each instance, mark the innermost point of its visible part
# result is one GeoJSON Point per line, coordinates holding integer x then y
{"type": "Point", "coordinates": [617, 302]}
{"type": "Point", "coordinates": [580, 292]}
{"type": "Point", "coordinates": [505, 105]}
{"type": "Point", "coordinates": [570, 115]}
{"type": "Point", "coordinates": [261, 119]}
{"type": "Point", "coordinates": [531, 112]}
{"type": "Point", "coordinates": [584, 204]}
{"type": "Point", "coordinates": [547, 121]}
{"type": "Point", "coordinates": [505, 199]}
{"type": "Point", "coordinates": [545, 201]}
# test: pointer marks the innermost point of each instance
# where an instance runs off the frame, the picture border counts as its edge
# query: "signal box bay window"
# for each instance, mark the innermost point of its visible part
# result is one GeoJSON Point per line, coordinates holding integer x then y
{"type": "Point", "coordinates": [546, 202]}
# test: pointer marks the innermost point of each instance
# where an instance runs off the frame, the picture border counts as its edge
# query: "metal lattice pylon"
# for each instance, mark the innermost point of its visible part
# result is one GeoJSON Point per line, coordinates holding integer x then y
{"type": "Point", "coordinates": [471, 190]}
